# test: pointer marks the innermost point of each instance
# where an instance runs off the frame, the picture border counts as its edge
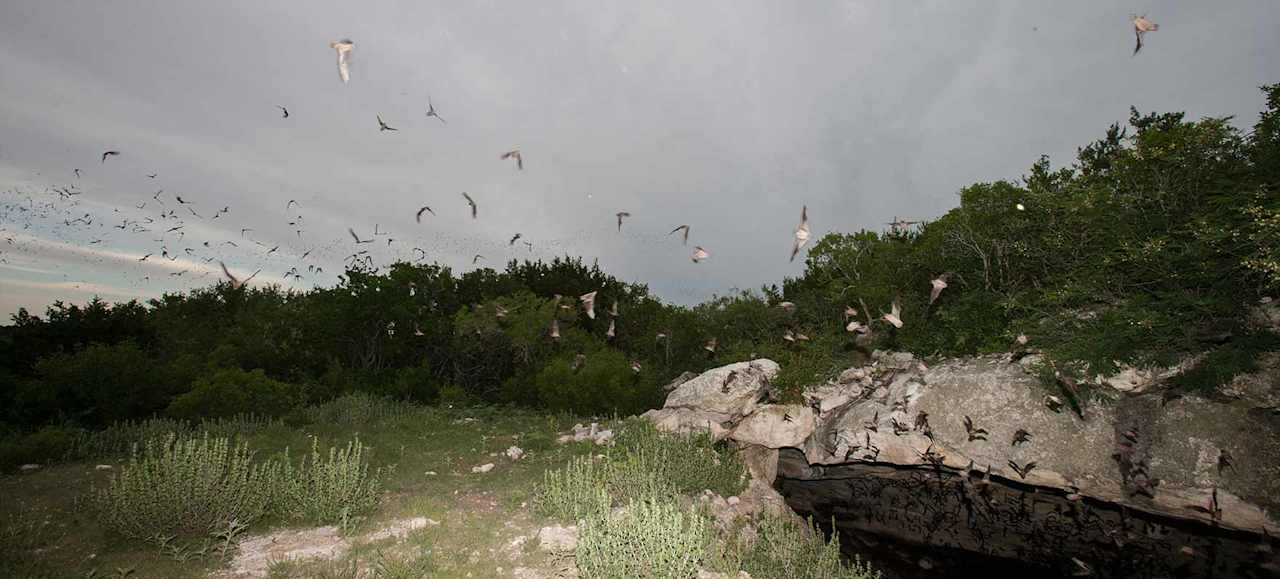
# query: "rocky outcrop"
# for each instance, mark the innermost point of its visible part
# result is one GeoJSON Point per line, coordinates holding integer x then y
{"type": "Point", "coordinates": [716, 398]}
{"type": "Point", "coordinates": [973, 441]}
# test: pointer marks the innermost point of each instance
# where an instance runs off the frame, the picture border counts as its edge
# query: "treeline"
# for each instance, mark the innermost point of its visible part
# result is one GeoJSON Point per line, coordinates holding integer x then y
{"type": "Point", "coordinates": [1155, 244]}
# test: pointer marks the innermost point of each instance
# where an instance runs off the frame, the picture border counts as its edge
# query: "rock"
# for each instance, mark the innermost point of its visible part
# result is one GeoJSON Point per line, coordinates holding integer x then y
{"type": "Point", "coordinates": [1131, 380]}
{"type": "Point", "coordinates": [761, 462]}
{"type": "Point", "coordinates": [254, 555]}
{"type": "Point", "coordinates": [681, 379]}
{"type": "Point", "coordinates": [482, 468]}
{"type": "Point", "coordinates": [565, 439]}
{"type": "Point", "coordinates": [400, 529]}
{"type": "Point", "coordinates": [29, 468]}
{"type": "Point", "coordinates": [776, 426]}
{"type": "Point", "coordinates": [558, 539]}
{"type": "Point", "coordinates": [851, 375]}
{"type": "Point", "coordinates": [103, 467]}
{"type": "Point", "coordinates": [515, 453]}
{"type": "Point", "coordinates": [603, 437]}
{"type": "Point", "coordinates": [879, 441]}
{"type": "Point", "coordinates": [832, 396]}
{"type": "Point", "coordinates": [430, 473]}
{"type": "Point", "coordinates": [689, 420]}
{"type": "Point", "coordinates": [714, 392]}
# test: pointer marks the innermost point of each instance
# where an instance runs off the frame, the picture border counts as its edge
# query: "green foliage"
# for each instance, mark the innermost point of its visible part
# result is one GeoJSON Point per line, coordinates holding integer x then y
{"type": "Point", "coordinates": [643, 465]}
{"type": "Point", "coordinates": [783, 547]}
{"type": "Point", "coordinates": [1220, 366]}
{"type": "Point", "coordinates": [96, 386]}
{"type": "Point", "coordinates": [603, 383]}
{"type": "Point", "coordinates": [232, 391]}
{"type": "Point", "coordinates": [574, 492]}
{"type": "Point", "coordinates": [684, 464]}
{"type": "Point", "coordinates": [184, 486]}
{"type": "Point", "coordinates": [645, 539]}
{"type": "Point", "coordinates": [51, 443]}
{"type": "Point", "coordinates": [356, 409]}
{"type": "Point", "coordinates": [327, 488]}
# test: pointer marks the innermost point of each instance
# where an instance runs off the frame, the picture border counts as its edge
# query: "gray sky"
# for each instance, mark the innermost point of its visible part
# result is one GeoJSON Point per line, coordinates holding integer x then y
{"type": "Point", "coordinates": [727, 116]}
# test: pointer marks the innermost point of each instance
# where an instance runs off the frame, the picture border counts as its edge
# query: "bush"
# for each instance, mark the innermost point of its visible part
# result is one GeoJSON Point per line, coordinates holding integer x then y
{"type": "Point", "coordinates": [574, 492]}
{"type": "Point", "coordinates": [646, 539]}
{"type": "Point", "coordinates": [643, 465]}
{"type": "Point", "coordinates": [49, 444]}
{"type": "Point", "coordinates": [95, 387]}
{"type": "Point", "coordinates": [783, 547]}
{"type": "Point", "coordinates": [682, 464]}
{"type": "Point", "coordinates": [232, 391]}
{"type": "Point", "coordinates": [184, 486]}
{"type": "Point", "coordinates": [327, 488]}
{"type": "Point", "coordinates": [603, 384]}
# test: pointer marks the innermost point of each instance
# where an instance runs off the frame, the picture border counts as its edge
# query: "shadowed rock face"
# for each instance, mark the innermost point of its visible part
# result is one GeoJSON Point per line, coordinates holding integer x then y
{"type": "Point", "coordinates": [1132, 488]}
{"type": "Point", "coordinates": [956, 523]}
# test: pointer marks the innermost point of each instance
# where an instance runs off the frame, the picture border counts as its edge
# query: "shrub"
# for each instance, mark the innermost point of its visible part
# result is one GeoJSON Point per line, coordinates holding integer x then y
{"type": "Point", "coordinates": [232, 391]}
{"type": "Point", "coordinates": [644, 465]}
{"type": "Point", "coordinates": [357, 409]}
{"type": "Point", "coordinates": [684, 464]}
{"type": "Point", "coordinates": [783, 547]}
{"type": "Point", "coordinates": [646, 539]}
{"type": "Point", "coordinates": [183, 486]}
{"type": "Point", "coordinates": [574, 492]}
{"type": "Point", "coordinates": [327, 488]}
{"type": "Point", "coordinates": [95, 387]}
{"type": "Point", "coordinates": [603, 384]}
{"type": "Point", "coordinates": [49, 444]}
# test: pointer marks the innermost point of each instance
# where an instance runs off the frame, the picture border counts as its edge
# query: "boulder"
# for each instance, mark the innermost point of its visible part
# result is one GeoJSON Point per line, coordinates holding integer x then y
{"type": "Point", "coordinates": [681, 379]}
{"type": "Point", "coordinates": [955, 426]}
{"type": "Point", "coordinates": [776, 426]}
{"type": "Point", "coordinates": [731, 390]}
{"type": "Point", "coordinates": [689, 420]}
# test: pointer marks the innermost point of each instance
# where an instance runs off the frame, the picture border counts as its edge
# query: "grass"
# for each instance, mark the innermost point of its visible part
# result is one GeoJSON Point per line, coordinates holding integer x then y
{"type": "Point", "coordinates": [477, 512]}
{"type": "Point", "coordinates": [410, 461]}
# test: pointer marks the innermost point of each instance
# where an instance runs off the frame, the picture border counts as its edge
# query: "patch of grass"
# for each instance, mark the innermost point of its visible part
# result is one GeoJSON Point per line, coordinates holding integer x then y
{"type": "Point", "coordinates": [357, 409]}
{"type": "Point", "coordinates": [646, 539]}
{"type": "Point", "coordinates": [184, 486]}
{"type": "Point", "coordinates": [22, 533]}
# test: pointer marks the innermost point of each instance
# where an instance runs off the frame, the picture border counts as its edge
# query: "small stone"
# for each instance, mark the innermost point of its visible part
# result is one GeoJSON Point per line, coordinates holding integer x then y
{"type": "Point", "coordinates": [431, 473]}
{"type": "Point", "coordinates": [29, 467]}
{"type": "Point", "coordinates": [103, 467]}
{"type": "Point", "coordinates": [925, 563]}
{"type": "Point", "coordinates": [515, 453]}
{"type": "Point", "coordinates": [482, 468]}
{"type": "Point", "coordinates": [733, 500]}
{"type": "Point", "coordinates": [603, 437]}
